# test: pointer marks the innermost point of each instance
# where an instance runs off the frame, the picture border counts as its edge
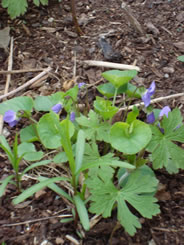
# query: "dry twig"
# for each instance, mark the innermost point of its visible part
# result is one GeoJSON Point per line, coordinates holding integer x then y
{"type": "Point", "coordinates": [111, 65]}
{"type": "Point", "coordinates": [47, 70]}
{"type": "Point", "coordinates": [37, 220]}
{"type": "Point", "coordinates": [152, 101]}
{"type": "Point", "coordinates": [22, 71]}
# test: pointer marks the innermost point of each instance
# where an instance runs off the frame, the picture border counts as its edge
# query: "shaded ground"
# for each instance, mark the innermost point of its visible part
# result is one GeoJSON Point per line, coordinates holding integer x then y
{"type": "Point", "coordinates": [46, 36]}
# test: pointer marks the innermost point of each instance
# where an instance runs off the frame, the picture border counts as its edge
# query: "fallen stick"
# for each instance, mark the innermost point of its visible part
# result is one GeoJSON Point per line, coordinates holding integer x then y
{"type": "Point", "coordinates": [8, 79]}
{"type": "Point", "coordinates": [111, 65]}
{"type": "Point", "coordinates": [152, 101]}
{"type": "Point", "coordinates": [21, 71]}
{"type": "Point", "coordinates": [47, 70]}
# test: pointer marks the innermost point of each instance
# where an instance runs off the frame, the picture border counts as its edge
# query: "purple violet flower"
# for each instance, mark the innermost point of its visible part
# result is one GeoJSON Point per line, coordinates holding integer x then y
{"type": "Point", "coordinates": [72, 116]}
{"type": "Point", "coordinates": [10, 118]}
{"type": "Point", "coordinates": [147, 96]}
{"type": "Point", "coordinates": [80, 85]}
{"type": "Point", "coordinates": [151, 118]}
{"type": "Point", "coordinates": [165, 110]}
{"type": "Point", "coordinates": [57, 108]}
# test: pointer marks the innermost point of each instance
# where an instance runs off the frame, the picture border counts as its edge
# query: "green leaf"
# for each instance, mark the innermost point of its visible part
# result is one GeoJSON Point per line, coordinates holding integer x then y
{"type": "Point", "coordinates": [61, 157]}
{"type": "Point", "coordinates": [34, 165]}
{"type": "Point", "coordinates": [28, 151]}
{"type": "Point", "coordinates": [45, 103]}
{"type": "Point", "coordinates": [5, 146]}
{"type": "Point", "coordinates": [28, 134]}
{"type": "Point", "coordinates": [132, 115]}
{"type": "Point", "coordinates": [33, 189]}
{"type": "Point", "coordinates": [138, 192]}
{"type": "Point", "coordinates": [82, 212]}
{"type": "Point", "coordinates": [4, 183]}
{"type": "Point", "coordinates": [72, 92]}
{"type": "Point", "coordinates": [80, 147]}
{"type": "Point", "coordinates": [108, 89]}
{"type": "Point", "coordinates": [48, 130]}
{"type": "Point", "coordinates": [16, 104]}
{"type": "Point", "coordinates": [107, 160]}
{"type": "Point", "coordinates": [66, 132]}
{"type": "Point", "coordinates": [162, 146]}
{"type": "Point", "coordinates": [133, 91]}
{"type": "Point", "coordinates": [15, 8]}
{"type": "Point", "coordinates": [181, 58]}
{"type": "Point", "coordinates": [104, 107]}
{"type": "Point", "coordinates": [4, 142]}
{"type": "Point", "coordinates": [37, 2]}
{"type": "Point", "coordinates": [119, 78]}
{"type": "Point", "coordinates": [93, 127]}
{"type": "Point", "coordinates": [130, 139]}
{"type": "Point", "coordinates": [56, 189]}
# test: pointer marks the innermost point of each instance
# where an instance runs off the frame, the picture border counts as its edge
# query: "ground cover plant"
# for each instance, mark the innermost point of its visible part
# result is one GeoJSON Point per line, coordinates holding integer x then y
{"type": "Point", "coordinates": [45, 37]}
{"type": "Point", "coordinates": [108, 163]}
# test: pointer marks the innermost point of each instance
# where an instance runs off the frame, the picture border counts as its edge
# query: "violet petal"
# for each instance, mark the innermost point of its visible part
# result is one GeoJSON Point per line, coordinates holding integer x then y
{"type": "Point", "coordinates": [9, 116]}
{"type": "Point", "coordinates": [151, 118]}
{"type": "Point", "coordinates": [151, 89]}
{"type": "Point", "coordinates": [57, 108]}
{"type": "Point", "coordinates": [13, 123]}
{"type": "Point", "coordinates": [146, 98]}
{"type": "Point", "coordinates": [72, 116]}
{"type": "Point", "coordinates": [165, 110]}
{"type": "Point", "coordinates": [80, 85]}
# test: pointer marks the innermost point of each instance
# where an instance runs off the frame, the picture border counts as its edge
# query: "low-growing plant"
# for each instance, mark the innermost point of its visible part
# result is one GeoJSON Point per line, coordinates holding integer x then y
{"type": "Point", "coordinates": [108, 161]}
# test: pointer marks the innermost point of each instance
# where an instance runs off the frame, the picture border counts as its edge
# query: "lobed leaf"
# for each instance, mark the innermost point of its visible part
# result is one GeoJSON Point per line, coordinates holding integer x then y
{"type": "Point", "coordinates": [138, 191]}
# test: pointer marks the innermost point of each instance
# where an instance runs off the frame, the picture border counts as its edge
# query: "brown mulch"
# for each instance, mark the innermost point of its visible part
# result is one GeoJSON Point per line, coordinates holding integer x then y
{"type": "Point", "coordinates": [45, 37]}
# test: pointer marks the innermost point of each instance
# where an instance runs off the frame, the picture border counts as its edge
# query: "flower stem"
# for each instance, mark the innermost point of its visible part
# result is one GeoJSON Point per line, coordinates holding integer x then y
{"type": "Point", "coordinates": [115, 94]}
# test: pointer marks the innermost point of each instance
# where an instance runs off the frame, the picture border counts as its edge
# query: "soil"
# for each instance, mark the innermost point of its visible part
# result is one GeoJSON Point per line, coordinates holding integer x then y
{"type": "Point", "coordinates": [45, 36]}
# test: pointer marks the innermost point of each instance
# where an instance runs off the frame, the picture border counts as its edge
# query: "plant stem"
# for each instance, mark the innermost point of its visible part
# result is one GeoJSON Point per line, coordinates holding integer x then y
{"type": "Point", "coordinates": [126, 112]}
{"type": "Point", "coordinates": [17, 177]}
{"type": "Point", "coordinates": [115, 94]}
{"type": "Point", "coordinates": [116, 227]}
{"type": "Point", "coordinates": [76, 24]}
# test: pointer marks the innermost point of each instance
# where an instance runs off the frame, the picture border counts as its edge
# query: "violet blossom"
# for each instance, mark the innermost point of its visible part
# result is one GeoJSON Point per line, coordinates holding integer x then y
{"type": "Point", "coordinates": [56, 108]}
{"type": "Point", "coordinates": [147, 96]}
{"type": "Point", "coordinates": [151, 118]}
{"type": "Point", "coordinates": [165, 110]}
{"type": "Point", "coordinates": [10, 118]}
{"type": "Point", "coordinates": [80, 85]}
{"type": "Point", "coordinates": [72, 116]}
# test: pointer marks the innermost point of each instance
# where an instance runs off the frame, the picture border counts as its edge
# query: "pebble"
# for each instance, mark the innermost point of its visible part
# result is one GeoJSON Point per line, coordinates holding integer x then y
{"type": "Point", "coordinates": [169, 70]}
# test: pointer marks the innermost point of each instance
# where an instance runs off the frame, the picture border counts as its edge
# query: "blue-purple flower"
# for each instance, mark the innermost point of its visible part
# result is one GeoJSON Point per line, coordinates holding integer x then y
{"type": "Point", "coordinates": [57, 108]}
{"type": "Point", "coordinates": [147, 96]}
{"type": "Point", "coordinates": [72, 116]}
{"type": "Point", "coordinates": [80, 85]}
{"type": "Point", "coordinates": [10, 118]}
{"type": "Point", "coordinates": [165, 110]}
{"type": "Point", "coordinates": [151, 118]}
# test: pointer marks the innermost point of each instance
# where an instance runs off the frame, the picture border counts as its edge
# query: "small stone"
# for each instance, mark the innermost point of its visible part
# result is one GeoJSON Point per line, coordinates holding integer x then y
{"type": "Point", "coordinates": [59, 240]}
{"type": "Point", "coordinates": [66, 7]}
{"type": "Point", "coordinates": [166, 75]}
{"type": "Point", "coordinates": [169, 70]}
{"type": "Point", "coordinates": [51, 19]}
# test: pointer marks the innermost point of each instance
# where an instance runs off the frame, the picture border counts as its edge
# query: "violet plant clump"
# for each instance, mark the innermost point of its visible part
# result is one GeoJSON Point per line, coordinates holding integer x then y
{"type": "Point", "coordinates": [105, 158]}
